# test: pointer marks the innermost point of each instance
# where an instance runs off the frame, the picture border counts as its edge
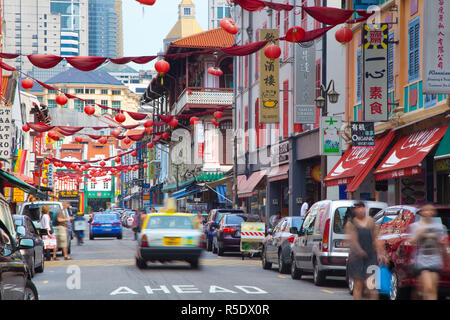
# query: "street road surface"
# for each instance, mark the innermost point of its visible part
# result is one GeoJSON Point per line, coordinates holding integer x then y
{"type": "Point", "coordinates": [105, 269]}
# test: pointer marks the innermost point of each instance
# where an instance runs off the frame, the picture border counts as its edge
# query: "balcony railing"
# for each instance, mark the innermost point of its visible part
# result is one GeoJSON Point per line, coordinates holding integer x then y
{"type": "Point", "coordinates": [203, 96]}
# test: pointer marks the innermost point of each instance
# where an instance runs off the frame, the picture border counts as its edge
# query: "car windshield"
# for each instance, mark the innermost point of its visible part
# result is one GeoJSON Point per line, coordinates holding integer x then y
{"type": "Point", "coordinates": [219, 216]}
{"type": "Point", "coordinates": [169, 222]}
{"type": "Point", "coordinates": [341, 215]}
{"type": "Point", "coordinates": [238, 219]}
{"type": "Point", "coordinates": [297, 223]}
{"type": "Point", "coordinates": [105, 217]}
{"type": "Point", "coordinates": [33, 211]}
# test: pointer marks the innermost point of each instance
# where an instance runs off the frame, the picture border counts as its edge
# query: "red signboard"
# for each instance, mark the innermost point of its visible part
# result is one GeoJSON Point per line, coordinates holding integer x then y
{"type": "Point", "coordinates": [406, 156]}
{"type": "Point", "coordinates": [37, 145]}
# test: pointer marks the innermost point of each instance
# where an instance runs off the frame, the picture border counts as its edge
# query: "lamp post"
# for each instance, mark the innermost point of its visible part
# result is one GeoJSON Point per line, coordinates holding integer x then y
{"type": "Point", "coordinates": [329, 94]}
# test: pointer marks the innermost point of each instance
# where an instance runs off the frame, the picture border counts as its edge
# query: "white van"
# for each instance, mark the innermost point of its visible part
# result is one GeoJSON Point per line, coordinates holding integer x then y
{"type": "Point", "coordinates": [319, 245]}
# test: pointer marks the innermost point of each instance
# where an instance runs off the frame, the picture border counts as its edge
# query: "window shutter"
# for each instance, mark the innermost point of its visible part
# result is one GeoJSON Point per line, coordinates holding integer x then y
{"type": "Point", "coordinates": [391, 62]}
{"type": "Point", "coordinates": [285, 109]}
{"type": "Point", "coordinates": [358, 76]}
{"type": "Point", "coordinates": [414, 50]}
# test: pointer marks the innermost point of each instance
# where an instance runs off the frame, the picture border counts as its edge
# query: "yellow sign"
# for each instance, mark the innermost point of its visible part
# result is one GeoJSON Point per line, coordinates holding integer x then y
{"type": "Point", "coordinates": [7, 191]}
{"type": "Point", "coordinates": [269, 90]}
{"type": "Point", "coordinates": [18, 195]}
{"type": "Point", "coordinates": [68, 194]}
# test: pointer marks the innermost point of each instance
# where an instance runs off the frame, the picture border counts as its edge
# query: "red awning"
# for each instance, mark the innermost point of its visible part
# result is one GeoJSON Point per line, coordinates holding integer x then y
{"type": "Point", "coordinates": [279, 173]}
{"type": "Point", "coordinates": [23, 177]}
{"type": "Point", "coordinates": [356, 164]}
{"type": "Point", "coordinates": [249, 186]}
{"type": "Point", "coordinates": [241, 182]}
{"type": "Point", "coordinates": [406, 156]}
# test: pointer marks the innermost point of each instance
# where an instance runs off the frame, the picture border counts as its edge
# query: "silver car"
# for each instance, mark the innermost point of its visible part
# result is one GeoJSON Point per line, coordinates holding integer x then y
{"type": "Point", "coordinates": [319, 245]}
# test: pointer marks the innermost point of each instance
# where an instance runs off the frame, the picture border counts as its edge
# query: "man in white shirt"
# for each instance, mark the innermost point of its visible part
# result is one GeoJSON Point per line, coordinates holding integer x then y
{"type": "Point", "coordinates": [304, 208]}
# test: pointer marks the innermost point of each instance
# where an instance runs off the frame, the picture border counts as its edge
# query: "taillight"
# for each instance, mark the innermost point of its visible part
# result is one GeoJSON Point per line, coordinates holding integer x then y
{"type": "Point", "coordinates": [291, 239]}
{"type": "Point", "coordinates": [228, 230]}
{"type": "Point", "coordinates": [95, 224]}
{"type": "Point", "coordinates": [144, 242]}
{"type": "Point", "coordinates": [326, 236]}
{"type": "Point", "coordinates": [116, 224]}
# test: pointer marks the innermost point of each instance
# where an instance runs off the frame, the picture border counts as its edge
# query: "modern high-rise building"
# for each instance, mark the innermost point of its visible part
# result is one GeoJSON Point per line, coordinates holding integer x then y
{"type": "Point", "coordinates": [218, 9]}
{"type": "Point", "coordinates": [105, 28]}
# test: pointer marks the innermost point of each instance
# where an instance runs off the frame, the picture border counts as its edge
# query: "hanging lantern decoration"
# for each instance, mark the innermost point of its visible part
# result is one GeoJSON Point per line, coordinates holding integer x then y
{"type": "Point", "coordinates": [272, 52]}
{"type": "Point", "coordinates": [215, 71]}
{"type": "Point", "coordinates": [166, 136]}
{"type": "Point", "coordinates": [295, 34]}
{"type": "Point", "coordinates": [173, 123]}
{"type": "Point", "coordinates": [127, 140]}
{"type": "Point", "coordinates": [194, 120]}
{"type": "Point", "coordinates": [115, 132]}
{"type": "Point", "coordinates": [103, 163]}
{"type": "Point", "coordinates": [26, 128]}
{"type": "Point", "coordinates": [135, 168]}
{"type": "Point", "coordinates": [344, 35]}
{"type": "Point", "coordinates": [134, 154]}
{"type": "Point", "coordinates": [119, 174]}
{"type": "Point", "coordinates": [89, 110]}
{"type": "Point", "coordinates": [215, 122]}
{"type": "Point", "coordinates": [150, 145]}
{"type": "Point", "coordinates": [147, 2]}
{"type": "Point", "coordinates": [149, 130]}
{"type": "Point", "coordinates": [120, 117]}
{"type": "Point", "coordinates": [229, 25]}
{"type": "Point", "coordinates": [148, 123]}
{"type": "Point", "coordinates": [162, 67]}
{"type": "Point", "coordinates": [61, 100]}
{"type": "Point", "coordinates": [218, 114]}
{"type": "Point", "coordinates": [78, 139]}
{"type": "Point", "coordinates": [47, 162]}
{"type": "Point", "coordinates": [27, 83]}
{"type": "Point", "coordinates": [103, 140]}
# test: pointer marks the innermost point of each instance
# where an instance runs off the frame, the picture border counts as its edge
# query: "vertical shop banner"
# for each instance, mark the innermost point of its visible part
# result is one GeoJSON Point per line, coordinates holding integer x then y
{"type": "Point", "coordinates": [269, 90]}
{"type": "Point", "coordinates": [436, 47]}
{"type": "Point", "coordinates": [375, 71]}
{"type": "Point", "coordinates": [5, 134]}
{"type": "Point", "coordinates": [305, 81]}
{"type": "Point", "coordinates": [330, 136]}
{"type": "Point", "coordinates": [363, 134]}
{"type": "Point", "coordinates": [146, 191]}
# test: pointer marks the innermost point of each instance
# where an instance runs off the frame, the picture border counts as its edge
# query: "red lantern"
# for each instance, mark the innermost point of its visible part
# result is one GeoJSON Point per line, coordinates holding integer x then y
{"type": "Point", "coordinates": [344, 35]}
{"type": "Point", "coordinates": [119, 174]}
{"type": "Point", "coordinates": [145, 166]}
{"type": "Point", "coordinates": [173, 123]}
{"type": "Point", "coordinates": [103, 163]}
{"type": "Point", "coordinates": [149, 130]}
{"type": "Point", "coordinates": [194, 120]}
{"type": "Point", "coordinates": [103, 140]}
{"type": "Point", "coordinates": [218, 114]}
{"type": "Point", "coordinates": [295, 34]}
{"type": "Point", "coordinates": [135, 168]}
{"type": "Point", "coordinates": [89, 110]}
{"type": "Point", "coordinates": [78, 139]}
{"type": "Point", "coordinates": [47, 162]}
{"type": "Point", "coordinates": [166, 136]}
{"type": "Point", "coordinates": [55, 137]}
{"type": "Point", "coordinates": [120, 117]}
{"type": "Point", "coordinates": [134, 154]}
{"type": "Point", "coordinates": [148, 123]}
{"type": "Point", "coordinates": [26, 128]}
{"type": "Point", "coordinates": [147, 2]}
{"type": "Point", "coordinates": [61, 100]}
{"type": "Point", "coordinates": [127, 140]}
{"type": "Point", "coordinates": [215, 122]}
{"type": "Point", "coordinates": [27, 83]}
{"type": "Point", "coordinates": [162, 67]}
{"type": "Point", "coordinates": [149, 145]}
{"type": "Point", "coordinates": [115, 132]}
{"type": "Point", "coordinates": [272, 51]}
{"type": "Point", "coordinates": [229, 25]}
{"type": "Point", "coordinates": [117, 159]}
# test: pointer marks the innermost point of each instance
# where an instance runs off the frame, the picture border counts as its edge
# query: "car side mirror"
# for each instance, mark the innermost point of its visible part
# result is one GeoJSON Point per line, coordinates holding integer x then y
{"type": "Point", "coordinates": [26, 244]}
{"type": "Point", "coordinates": [293, 230]}
{"type": "Point", "coordinates": [21, 231]}
{"type": "Point", "coordinates": [270, 231]}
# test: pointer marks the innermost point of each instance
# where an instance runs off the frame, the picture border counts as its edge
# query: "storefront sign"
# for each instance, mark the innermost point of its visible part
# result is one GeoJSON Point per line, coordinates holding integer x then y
{"type": "Point", "coordinates": [99, 194]}
{"type": "Point", "coordinates": [18, 195]}
{"type": "Point", "coordinates": [436, 46]}
{"type": "Point", "coordinates": [442, 165]}
{"type": "Point", "coordinates": [146, 191]}
{"type": "Point", "coordinates": [375, 75]}
{"type": "Point", "coordinates": [363, 134]}
{"type": "Point", "coordinates": [330, 135]}
{"type": "Point", "coordinates": [269, 83]}
{"type": "Point", "coordinates": [68, 195]}
{"type": "Point", "coordinates": [5, 133]}
{"type": "Point", "coordinates": [280, 153]}
{"type": "Point", "coordinates": [316, 173]}
{"type": "Point", "coordinates": [305, 78]}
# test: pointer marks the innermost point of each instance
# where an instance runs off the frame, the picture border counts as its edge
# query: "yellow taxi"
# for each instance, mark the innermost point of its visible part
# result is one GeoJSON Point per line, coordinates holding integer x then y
{"type": "Point", "coordinates": [169, 236]}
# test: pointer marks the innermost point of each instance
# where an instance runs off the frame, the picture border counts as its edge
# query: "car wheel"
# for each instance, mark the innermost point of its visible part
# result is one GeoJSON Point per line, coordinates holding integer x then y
{"type": "Point", "coordinates": [91, 236]}
{"type": "Point", "coordinates": [220, 250]}
{"type": "Point", "coordinates": [119, 236]}
{"type": "Point", "coordinates": [318, 276]}
{"type": "Point", "coordinates": [194, 263]}
{"type": "Point", "coordinates": [282, 267]}
{"type": "Point", "coordinates": [141, 264]}
{"type": "Point", "coordinates": [265, 264]}
{"type": "Point", "coordinates": [296, 273]}
{"type": "Point", "coordinates": [30, 291]}
{"type": "Point", "coordinates": [214, 247]}
{"type": "Point", "coordinates": [40, 269]}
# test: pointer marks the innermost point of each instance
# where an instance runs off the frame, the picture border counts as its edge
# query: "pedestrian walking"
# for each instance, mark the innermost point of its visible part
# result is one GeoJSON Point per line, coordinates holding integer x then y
{"type": "Point", "coordinates": [62, 220]}
{"type": "Point", "coordinates": [276, 219]}
{"type": "Point", "coordinates": [45, 219]}
{"type": "Point", "coordinates": [365, 250]}
{"type": "Point", "coordinates": [138, 221]}
{"type": "Point", "coordinates": [430, 236]}
{"type": "Point", "coordinates": [305, 207]}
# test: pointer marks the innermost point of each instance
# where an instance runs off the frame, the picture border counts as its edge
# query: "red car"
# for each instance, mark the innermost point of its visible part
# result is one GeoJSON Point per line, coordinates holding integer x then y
{"type": "Point", "coordinates": [394, 224]}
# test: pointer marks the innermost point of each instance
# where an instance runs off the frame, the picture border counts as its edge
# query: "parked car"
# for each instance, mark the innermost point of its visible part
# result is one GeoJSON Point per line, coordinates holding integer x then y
{"type": "Point", "coordinates": [394, 225]}
{"type": "Point", "coordinates": [105, 225]}
{"type": "Point", "coordinates": [15, 282]}
{"type": "Point", "coordinates": [33, 211]}
{"type": "Point", "coordinates": [227, 233]}
{"type": "Point", "coordinates": [319, 246]}
{"type": "Point", "coordinates": [213, 218]}
{"type": "Point", "coordinates": [168, 237]}
{"type": "Point", "coordinates": [278, 242]}
{"type": "Point", "coordinates": [34, 257]}
{"type": "Point", "coordinates": [6, 217]}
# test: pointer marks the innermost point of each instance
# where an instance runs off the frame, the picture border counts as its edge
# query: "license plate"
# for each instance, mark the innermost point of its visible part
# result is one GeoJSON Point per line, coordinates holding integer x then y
{"type": "Point", "coordinates": [107, 225]}
{"type": "Point", "coordinates": [171, 241]}
{"type": "Point", "coordinates": [107, 229]}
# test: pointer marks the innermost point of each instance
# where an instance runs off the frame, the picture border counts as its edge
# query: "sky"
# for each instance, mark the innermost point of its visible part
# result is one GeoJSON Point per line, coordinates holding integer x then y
{"type": "Point", "coordinates": [145, 27]}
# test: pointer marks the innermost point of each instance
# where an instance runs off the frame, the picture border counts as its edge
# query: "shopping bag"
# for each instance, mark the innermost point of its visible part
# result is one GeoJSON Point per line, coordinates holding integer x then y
{"type": "Point", "coordinates": [385, 276]}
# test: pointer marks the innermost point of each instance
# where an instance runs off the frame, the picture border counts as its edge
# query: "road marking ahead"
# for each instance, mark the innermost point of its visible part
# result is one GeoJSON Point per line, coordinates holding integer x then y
{"type": "Point", "coordinates": [327, 291]}
{"type": "Point", "coordinates": [190, 289]}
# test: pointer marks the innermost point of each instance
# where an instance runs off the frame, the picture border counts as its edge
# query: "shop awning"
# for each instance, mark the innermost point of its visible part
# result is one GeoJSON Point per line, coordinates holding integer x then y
{"type": "Point", "coordinates": [221, 193]}
{"type": "Point", "coordinates": [406, 156]}
{"type": "Point", "coordinates": [356, 164]}
{"type": "Point", "coordinates": [186, 191]}
{"type": "Point", "coordinates": [14, 182]}
{"type": "Point", "coordinates": [23, 177]}
{"type": "Point", "coordinates": [443, 150]}
{"type": "Point", "coordinates": [249, 186]}
{"type": "Point", "coordinates": [278, 173]}
{"type": "Point", "coordinates": [173, 186]}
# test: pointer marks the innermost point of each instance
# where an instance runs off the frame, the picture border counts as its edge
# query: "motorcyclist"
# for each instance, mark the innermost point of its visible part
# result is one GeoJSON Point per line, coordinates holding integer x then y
{"type": "Point", "coordinates": [79, 229]}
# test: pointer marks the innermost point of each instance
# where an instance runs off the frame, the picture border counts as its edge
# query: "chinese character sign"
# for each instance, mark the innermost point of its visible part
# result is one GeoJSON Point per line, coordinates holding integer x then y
{"type": "Point", "coordinates": [5, 133]}
{"type": "Point", "coordinates": [363, 134]}
{"type": "Point", "coordinates": [436, 46]}
{"type": "Point", "coordinates": [269, 84]}
{"type": "Point", "coordinates": [330, 135]}
{"type": "Point", "coordinates": [305, 80]}
{"type": "Point", "coordinates": [375, 71]}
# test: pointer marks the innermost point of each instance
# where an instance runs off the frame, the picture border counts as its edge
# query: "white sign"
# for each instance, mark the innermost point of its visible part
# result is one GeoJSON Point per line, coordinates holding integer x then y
{"type": "Point", "coordinates": [5, 132]}
{"type": "Point", "coordinates": [330, 135]}
{"type": "Point", "coordinates": [436, 46]}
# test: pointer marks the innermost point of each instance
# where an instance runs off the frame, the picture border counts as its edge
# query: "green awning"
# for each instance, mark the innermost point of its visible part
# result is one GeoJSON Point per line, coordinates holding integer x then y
{"type": "Point", "coordinates": [14, 182]}
{"type": "Point", "coordinates": [443, 150]}
{"type": "Point", "coordinates": [173, 186]}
